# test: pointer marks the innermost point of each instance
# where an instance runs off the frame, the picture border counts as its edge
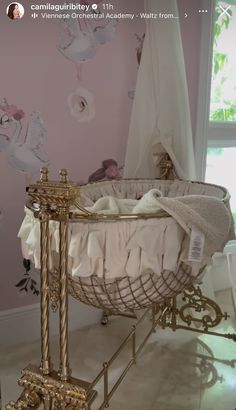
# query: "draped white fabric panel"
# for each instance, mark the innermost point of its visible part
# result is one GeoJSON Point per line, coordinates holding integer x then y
{"type": "Point", "coordinates": [160, 119]}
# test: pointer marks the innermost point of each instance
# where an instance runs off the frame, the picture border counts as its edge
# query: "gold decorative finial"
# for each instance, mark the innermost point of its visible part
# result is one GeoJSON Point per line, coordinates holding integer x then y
{"type": "Point", "coordinates": [44, 174]}
{"type": "Point", "coordinates": [63, 174]}
{"type": "Point", "coordinates": [167, 167]}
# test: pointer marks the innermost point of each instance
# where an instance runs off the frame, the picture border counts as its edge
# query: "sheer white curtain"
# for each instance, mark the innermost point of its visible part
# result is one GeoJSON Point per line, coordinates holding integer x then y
{"type": "Point", "coordinates": [160, 119]}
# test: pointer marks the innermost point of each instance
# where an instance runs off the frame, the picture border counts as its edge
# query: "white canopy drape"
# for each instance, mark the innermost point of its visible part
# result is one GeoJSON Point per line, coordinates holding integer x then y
{"type": "Point", "coordinates": [160, 119]}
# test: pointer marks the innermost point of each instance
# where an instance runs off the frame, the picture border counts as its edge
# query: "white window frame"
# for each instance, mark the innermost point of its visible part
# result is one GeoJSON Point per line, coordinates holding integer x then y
{"type": "Point", "coordinates": [212, 134]}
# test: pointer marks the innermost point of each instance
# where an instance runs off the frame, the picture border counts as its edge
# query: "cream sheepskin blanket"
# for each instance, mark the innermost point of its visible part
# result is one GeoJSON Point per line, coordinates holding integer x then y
{"type": "Point", "coordinates": [112, 205]}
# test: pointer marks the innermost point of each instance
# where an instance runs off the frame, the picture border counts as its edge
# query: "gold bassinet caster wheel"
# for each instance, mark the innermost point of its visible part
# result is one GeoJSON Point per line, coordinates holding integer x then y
{"type": "Point", "coordinates": [105, 318]}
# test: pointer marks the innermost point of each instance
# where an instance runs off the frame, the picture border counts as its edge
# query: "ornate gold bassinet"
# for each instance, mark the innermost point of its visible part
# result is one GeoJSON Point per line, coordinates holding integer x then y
{"type": "Point", "coordinates": [117, 262]}
{"type": "Point", "coordinates": [106, 280]}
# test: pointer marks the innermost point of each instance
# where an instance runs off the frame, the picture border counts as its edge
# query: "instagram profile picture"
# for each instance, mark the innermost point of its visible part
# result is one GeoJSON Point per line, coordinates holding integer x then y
{"type": "Point", "coordinates": [15, 11]}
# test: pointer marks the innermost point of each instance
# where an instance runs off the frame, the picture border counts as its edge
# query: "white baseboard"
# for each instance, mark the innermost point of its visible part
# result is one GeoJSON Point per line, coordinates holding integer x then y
{"type": "Point", "coordinates": [22, 325]}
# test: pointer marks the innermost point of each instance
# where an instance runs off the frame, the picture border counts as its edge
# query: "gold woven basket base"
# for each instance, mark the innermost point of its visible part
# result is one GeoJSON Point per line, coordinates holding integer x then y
{"type": "Point", "coordinates": [128, 294]}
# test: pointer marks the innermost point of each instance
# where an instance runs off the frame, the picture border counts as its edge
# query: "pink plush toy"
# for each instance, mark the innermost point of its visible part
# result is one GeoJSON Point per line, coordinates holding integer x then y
{"type": "Point", "coordinates": [109, 170]}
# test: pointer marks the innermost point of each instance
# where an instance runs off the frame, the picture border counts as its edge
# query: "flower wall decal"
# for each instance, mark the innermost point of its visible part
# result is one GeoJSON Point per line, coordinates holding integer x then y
{"type": "Point", "coordinates": [81, 104]}
{"type": "Point", "coordinates": [27, 282]}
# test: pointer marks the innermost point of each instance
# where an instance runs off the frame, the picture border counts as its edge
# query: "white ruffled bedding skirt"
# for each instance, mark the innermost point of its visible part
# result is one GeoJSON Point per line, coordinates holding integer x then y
{"type": "Point", "coordinates": [126, 264]}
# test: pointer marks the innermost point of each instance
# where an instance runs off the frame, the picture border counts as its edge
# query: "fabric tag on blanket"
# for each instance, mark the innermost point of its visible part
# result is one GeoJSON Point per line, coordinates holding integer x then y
{"type": "Point", "coordinates": [196, 247]}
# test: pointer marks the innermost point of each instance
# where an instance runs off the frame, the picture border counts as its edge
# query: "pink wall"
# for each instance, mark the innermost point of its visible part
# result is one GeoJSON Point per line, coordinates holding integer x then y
{"type": "Point", "coordinates": [35, 76]}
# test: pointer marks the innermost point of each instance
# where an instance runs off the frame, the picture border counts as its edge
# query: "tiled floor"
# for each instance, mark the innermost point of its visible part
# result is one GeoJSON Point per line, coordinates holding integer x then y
{"type": "Point", "coordinates": [176, 371]}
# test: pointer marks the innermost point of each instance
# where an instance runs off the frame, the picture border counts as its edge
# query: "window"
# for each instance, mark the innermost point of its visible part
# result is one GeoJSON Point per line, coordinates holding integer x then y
{"type": "Point", "coordinates": [221, 164]}
{"type": "Point", "coordinates": [221, 121]}
{"type": "Point", "coordinates": [223, 84]}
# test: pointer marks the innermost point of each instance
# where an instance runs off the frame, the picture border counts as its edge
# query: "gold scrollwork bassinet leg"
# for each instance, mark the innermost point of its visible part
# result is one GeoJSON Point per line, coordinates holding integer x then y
{"type": "Point", "coordinates": [63, 311]}
{"type": "Point", "coordinates": [195, 312]}
{"type": "Point", "coordinates": [44, 245]}
{"type": "Point", "coordinates": [42, 385]}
